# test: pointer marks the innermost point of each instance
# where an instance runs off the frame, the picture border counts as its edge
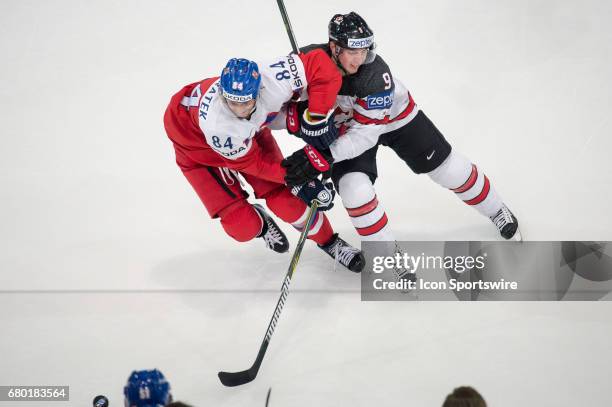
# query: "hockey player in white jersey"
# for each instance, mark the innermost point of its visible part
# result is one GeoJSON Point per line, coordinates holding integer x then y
{"type": "Point", "coordinates": [375, 108]}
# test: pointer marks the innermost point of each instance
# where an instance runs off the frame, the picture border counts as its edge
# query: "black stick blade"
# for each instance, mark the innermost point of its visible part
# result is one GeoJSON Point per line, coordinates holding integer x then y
{"type": "Point", "coordinates": [237, 378]}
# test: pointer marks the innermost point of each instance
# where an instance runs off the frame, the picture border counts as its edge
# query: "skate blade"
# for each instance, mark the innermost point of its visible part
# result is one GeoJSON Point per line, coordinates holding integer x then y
{"type": "Point", "coordinates": [517, 236]}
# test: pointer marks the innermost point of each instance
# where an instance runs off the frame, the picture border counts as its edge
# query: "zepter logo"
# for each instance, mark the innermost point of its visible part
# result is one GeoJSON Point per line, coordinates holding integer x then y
{"type": "Point", "coordinates": [360, 42]}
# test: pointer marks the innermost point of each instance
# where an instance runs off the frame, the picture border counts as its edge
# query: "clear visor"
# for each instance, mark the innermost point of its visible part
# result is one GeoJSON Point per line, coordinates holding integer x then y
{"type": "Point", "coordinates": [241, 108]}
{"type": "Point", "coordinates": [361, 43]}
{"type": "Point", "coordinates": [370, 56]}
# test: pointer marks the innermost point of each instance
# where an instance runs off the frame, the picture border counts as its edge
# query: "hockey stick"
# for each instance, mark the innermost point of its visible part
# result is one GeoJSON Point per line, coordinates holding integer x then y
{"type": "Point", "coordinates": [285, 16]}
{"type": "Point", "coordinates": [246, 376]}
{"type": "Point", "coordinates": [268, 396]}
{"type": "Point", "coordinates": [294, 46]}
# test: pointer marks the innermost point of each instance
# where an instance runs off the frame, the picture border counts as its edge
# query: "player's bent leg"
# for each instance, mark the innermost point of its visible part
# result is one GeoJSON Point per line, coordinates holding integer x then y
{"type": "Point", "coordinates": [244, 222]}
{"type": "Point", "coordinates": [469, 183]}
{"type": "Point", "coordinates": [289, 208]}
{"type": "Point", "coordinates": [423, 147]}
{"type": "Point", "coordinates": [473, 187]}
{"type": "Point", "coordinates": [365, 211]}
{"type": "Point", "coordinates": [241, 221]}
{"type": "Point", "coordinates": [294, 211]}
{"type": "Point", "coordinates": [367, 214]}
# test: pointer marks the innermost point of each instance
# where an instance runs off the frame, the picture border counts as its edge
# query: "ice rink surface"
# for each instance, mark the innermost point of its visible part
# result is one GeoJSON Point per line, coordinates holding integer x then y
{"type": "Point", "coordinates": [108, 262]}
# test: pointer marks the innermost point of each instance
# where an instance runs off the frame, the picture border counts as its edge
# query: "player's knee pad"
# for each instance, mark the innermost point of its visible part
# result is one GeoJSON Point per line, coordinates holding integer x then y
{"type": "Point", "coordinates": [241, 221]}
{"type": "Point", "coordinates": [356, 189]}
{"type": "Point", "coordinates": [453, 172]}
{"type": "Point", "coordinates": [366, 214]}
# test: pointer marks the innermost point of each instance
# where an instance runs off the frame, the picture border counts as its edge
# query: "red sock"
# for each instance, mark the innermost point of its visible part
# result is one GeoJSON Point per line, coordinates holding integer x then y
{"type": "Point", "coordinates": [294, 211]}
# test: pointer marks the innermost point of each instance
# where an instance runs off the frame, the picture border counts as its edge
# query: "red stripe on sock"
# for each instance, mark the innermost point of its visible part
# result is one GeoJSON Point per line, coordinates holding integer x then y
{"type": "Point", "coordinates": [377, 227]}
{"type": "Point", "coordinates": [312, 225]}
{"type": "Point", "coordinates": [469, 183]}
{"type": "Point", "coordinates": [314, 221]}
{"type": "Point", "coordinates": [483, 194]}
{"type": "Point", "coordinates": [363, 209]}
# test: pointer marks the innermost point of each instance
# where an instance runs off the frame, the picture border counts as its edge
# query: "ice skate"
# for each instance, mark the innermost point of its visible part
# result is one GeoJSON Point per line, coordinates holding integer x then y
{"type": "Point", "coordinates": [271, 234]}
{"type": "Point", "coordinates": [507, 224]}
{"type": "Point", "coordinates": [347, 255]}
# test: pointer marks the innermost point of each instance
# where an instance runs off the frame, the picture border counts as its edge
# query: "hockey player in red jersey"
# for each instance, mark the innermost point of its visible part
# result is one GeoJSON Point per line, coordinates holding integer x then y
{"type": "Point", "coordinates": [219, 128]}
{"type": "Point", "coordinates": [374, 108]}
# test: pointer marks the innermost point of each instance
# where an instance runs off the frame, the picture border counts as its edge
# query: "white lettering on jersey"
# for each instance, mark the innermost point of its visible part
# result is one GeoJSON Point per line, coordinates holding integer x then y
{"type": "Point", "coordinates": [206, 100]}
{"type": "Point", "coordinates": [287, 70]}
{"type": "Point", "coordinates": [296, 75]}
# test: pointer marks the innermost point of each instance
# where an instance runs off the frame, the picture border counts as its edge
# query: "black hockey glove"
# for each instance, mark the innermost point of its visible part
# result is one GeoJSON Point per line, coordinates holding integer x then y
{"type": "Point", "coordinates": [319, 132]}
{"type": "Point", "coordinates": [307, 164]}
{"type": "Point", "coordinates": [316, 190]}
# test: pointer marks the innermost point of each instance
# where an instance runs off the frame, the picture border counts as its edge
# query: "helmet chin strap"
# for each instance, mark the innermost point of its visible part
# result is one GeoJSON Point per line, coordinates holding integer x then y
{"type": "Point", "coordinates": [337, 60]}
{"type": "Point", "coordinates": [252, 111]}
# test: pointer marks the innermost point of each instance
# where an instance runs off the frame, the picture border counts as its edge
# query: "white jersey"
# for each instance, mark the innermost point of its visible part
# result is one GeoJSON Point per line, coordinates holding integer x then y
{"type": "Point", "coordinates": [230, 136]}
{"type": "Point", "coordinates": [367, 118]}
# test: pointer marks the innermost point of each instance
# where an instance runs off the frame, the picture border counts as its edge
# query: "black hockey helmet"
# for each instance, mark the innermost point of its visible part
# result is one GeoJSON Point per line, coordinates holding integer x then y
{"type": "Point", "coordinates": [351, 31]}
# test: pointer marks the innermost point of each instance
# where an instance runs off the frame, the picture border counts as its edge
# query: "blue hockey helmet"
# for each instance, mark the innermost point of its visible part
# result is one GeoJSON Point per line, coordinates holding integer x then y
{"type": "Point", "coordinates": [147, 388]}
{"type": "Point", "coordinates": [240, 80]}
